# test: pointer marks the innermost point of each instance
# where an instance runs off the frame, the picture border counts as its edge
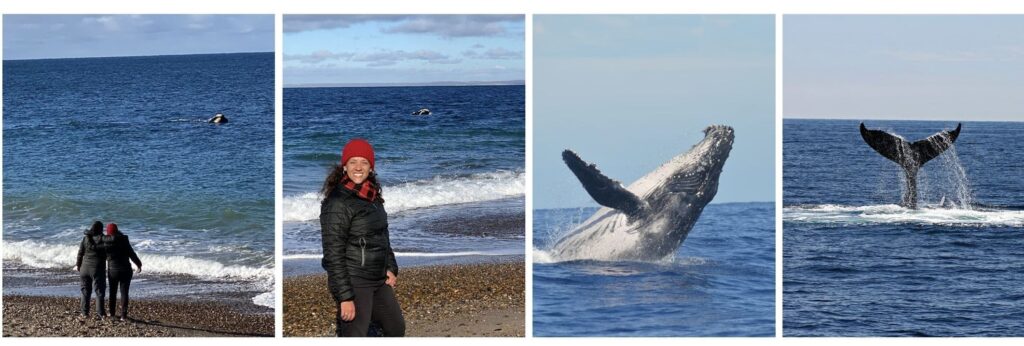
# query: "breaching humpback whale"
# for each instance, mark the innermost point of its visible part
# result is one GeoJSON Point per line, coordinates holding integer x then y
{"type": "Point", "coordinates": [649, 219]}
{"type": "Point", "coordinates": [910, 156]}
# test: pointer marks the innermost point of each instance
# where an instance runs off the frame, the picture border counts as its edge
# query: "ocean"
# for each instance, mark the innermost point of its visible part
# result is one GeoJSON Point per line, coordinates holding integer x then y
{"type": "Point", "coordinates": [453, 181]}
{"type": "Point", "coordinates": [857, 264]}
{"type": "Point", "coordinates": [721, 281]}
{"type": "Point", "coordinates": [125, 140]}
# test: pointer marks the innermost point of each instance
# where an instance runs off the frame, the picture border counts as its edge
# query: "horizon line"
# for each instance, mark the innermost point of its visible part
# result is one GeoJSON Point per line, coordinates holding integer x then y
{"type": "Point", "coordinates": [134, 56]}
{"type": "Point", "coordinates": [406, 84]}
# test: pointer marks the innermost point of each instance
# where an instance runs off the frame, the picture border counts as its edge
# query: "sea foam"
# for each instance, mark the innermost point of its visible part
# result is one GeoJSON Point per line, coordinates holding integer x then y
{"type": "Point", "coordinates": [55, 256]}
{"type": "Point", "coordinates": [894, 214]}
{"type": "Point", "coordinates": [424, 193]}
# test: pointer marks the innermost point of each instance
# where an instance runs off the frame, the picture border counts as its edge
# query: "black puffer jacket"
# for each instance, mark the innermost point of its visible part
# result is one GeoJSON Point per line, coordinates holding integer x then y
{"type": "Point", "coordinates": [119, 252]}
{"type": "Point", "coordinates": [356, 242]}
{"type": "Point", "coordinates": [92, 255]}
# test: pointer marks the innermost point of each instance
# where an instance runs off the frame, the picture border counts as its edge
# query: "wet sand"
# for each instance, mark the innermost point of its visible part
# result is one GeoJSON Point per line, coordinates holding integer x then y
{"type": "Point", "coordinates": [60, 316]}
{"type": "Point", "coordinates": [449, 300]}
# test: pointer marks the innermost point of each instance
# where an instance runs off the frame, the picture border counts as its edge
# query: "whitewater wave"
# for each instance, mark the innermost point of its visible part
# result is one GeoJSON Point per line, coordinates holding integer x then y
{"type": "Point", "coordinates": [425, 193]}
{"type": "Point", "coordinates": [50, 256]}
{"type": "Point", "coordinates": [264, 299]}
{"type": "Point", "coordinates": [62, 257]}
{"type": "Point", "coordinates": [895, 214]}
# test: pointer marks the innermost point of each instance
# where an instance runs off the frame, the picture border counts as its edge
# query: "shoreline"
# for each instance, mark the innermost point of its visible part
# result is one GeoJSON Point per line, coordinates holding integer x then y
{"type": "Point", "coordinates": [35, 316]}
{"type": "Point", "coordinates": [25, 281]}
{"type": "Point", "coordinates": [299, 267]}
{"type": "Point", "coordinates": [445, 300]}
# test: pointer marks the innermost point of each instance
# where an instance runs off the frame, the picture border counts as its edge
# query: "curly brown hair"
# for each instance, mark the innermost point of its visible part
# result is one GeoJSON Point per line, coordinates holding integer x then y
{"type": "Point", "coordinates": [337, 173]}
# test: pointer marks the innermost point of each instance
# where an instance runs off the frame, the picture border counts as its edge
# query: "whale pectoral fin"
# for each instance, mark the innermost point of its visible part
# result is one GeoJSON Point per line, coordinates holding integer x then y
{"type": "Point", "coordinates": [603, 190]}
{"type": "Point", "coordinates": [931, 147]}
{"type": "Point", "coordinates": [883, 142]}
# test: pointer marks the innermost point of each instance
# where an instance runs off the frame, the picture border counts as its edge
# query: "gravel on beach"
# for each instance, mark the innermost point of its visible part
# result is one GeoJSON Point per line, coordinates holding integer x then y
{"type": "Point", "coordinates": [61, 316]}
{"type": "Point", "coordinates": [449, 300]}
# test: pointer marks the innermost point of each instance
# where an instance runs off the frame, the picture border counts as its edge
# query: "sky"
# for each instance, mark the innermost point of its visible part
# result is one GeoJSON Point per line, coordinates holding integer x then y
{"type": "Point", "coordinates": [911, 67]}
{"type": "Point", "coordinates": [397, 49]}
{"type": "Point", "coordinates": [81, 36]}
{"type": "Point", "coordinates": [628, 93]}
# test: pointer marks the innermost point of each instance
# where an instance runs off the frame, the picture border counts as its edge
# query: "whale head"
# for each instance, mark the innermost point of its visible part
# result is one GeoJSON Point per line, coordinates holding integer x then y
{"type": "Point", "coordinates": [678, 191]}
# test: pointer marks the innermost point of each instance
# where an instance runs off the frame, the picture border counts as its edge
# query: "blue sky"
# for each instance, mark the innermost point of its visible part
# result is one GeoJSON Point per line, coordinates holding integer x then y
{"type": "Point", "coordinates": [403, 48]}
{"type": "Point", "coordinates": [78, 36]}
{"type": "Point", "coordinates": [914, 67]}
{"type": "Point", "coordinates": [630, 92]}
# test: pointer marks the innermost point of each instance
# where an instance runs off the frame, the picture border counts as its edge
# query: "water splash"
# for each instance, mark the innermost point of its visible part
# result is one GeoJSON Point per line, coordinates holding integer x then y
{"type": "Point", "coordinates": [945, 183]}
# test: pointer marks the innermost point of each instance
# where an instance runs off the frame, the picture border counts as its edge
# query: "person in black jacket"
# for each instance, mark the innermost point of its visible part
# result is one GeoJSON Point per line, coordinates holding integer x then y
{"type": "Point", "coordinates": [91, 265]}
{"type": "Point", "coordinates": [119, 270]}
{"type": "Point", "coordinates": [360, 264]}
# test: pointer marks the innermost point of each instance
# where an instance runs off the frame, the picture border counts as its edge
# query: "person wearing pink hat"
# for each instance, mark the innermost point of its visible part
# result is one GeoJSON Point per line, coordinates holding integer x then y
{"type": "Point", "coordinates": [360, 264]}
{"type": "Point", "coordinates": [119, 270]}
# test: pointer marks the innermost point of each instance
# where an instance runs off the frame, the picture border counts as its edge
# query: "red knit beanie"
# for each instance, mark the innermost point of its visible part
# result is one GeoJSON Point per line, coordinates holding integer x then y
{"type": "Point", "coordinates": [357, 147]}
{"type": "Point", "coordinates": [111, 228]}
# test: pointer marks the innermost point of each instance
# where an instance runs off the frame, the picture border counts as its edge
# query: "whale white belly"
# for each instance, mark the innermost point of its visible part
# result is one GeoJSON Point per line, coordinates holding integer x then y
{"type": "Point", "coordinates": [607, 235]}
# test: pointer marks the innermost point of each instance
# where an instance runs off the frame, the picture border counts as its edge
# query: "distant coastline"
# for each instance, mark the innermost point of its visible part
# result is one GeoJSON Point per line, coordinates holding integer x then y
{"type": "Point", "coordinates": [389, 85]}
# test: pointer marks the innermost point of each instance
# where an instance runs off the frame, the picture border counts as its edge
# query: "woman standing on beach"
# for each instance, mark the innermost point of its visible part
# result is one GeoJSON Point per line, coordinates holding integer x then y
{"type": "Point", "coordinates": [360, 264]}
{"type": "Point", "coordinates": [119, 270]}
{"type": "Point", "coordinates": [91, 265]}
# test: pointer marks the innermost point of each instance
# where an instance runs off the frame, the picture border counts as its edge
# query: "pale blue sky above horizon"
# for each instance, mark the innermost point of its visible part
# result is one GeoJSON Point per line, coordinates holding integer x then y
{"type": "Point", "coordinates": [87, 36]}
{"type": "Point", "coordinates": [909, 67]}
{"type": "Point", "coordinates": [352, 49]}
{"type": "Point", "coordinates": [629, 92]}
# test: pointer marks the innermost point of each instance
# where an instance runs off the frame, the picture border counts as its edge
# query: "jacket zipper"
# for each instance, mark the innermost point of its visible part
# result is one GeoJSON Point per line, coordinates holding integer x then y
{"type": "Point", "coordinates": [362, 251]}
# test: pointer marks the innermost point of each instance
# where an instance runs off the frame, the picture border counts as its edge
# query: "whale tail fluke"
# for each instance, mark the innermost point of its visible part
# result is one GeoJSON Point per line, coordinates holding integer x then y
{"type": "Point", "coordinates": [933, 146]}
{"type": "Point", "coordinates": [917, 153]}
{"type": "Point", "coordinates": [605, 191]}
{"type": "Point", "coordinates": [910, 156]}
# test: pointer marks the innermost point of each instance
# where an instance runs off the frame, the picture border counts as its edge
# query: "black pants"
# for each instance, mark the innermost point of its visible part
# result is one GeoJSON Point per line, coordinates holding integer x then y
{"type": "Point", "coordinates": [374, 304]}
{"type": "Point", "coordinates": [98, 280]}
{"type": "Point", "coordinates": [119, 279]}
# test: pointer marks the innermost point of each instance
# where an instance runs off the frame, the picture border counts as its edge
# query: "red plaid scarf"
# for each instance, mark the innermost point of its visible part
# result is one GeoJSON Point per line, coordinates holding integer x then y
{"type": "Point", "coordinates": [367, 190]}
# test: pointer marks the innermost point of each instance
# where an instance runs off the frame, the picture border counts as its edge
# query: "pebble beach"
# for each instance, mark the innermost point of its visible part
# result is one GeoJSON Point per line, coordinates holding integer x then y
{"type": "Point", "coordinates": [449, 300]}
{"type": "Point", "coordinates": [31, 316]}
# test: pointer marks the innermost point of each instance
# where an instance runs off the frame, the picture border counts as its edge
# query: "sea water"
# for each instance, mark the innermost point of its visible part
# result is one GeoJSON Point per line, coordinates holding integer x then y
{"type": "Point", "coordinates": [453, 181]}
{"type": "Point", "coordinates": [125, 140]}
{"type": "Point", "coordinates": [720, 282]}
{"type": "Point", "coordinates": [857, 264]}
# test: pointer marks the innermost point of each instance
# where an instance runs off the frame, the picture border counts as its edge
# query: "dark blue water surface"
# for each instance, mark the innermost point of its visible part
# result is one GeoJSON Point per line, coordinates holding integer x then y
{"type": "Point", "coordinates": [721, 282]}
{"type": "Point", "coordinates": [453, 181]}
{"type": "Point", "coordinates": [126, 140]}
{"type": "Point", "coordinates": [856, 264]}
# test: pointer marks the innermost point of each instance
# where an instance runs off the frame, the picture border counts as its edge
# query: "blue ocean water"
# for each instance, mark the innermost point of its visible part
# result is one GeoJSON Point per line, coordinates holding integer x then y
{"type": "Point", "coordinates": [125, 140]}
{"type": "Point", "coordinates": [721, 282]}
{"type": "Point", "coordinates": [857, 264]}
{"type": "Point", "coordinates": [453, 181]}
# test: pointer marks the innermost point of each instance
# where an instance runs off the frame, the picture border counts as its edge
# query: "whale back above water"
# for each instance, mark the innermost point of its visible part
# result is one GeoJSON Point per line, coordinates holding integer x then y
{"type": "Point", "coordinates": [649, 219]}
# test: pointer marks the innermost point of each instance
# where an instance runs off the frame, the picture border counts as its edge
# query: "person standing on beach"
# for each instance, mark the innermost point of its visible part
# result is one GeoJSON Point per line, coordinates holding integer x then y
{"type": "Point", "coordinates": [91, 265]}
{"type": "Point", "coordinates": [119, 270]}
{"type": "Point", "coordinates": [360, 264]}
